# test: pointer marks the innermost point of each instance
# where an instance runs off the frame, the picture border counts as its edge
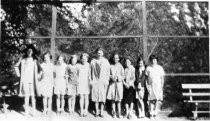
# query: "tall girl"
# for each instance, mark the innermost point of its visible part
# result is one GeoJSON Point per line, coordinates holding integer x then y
{"type": "Point", "coordinates": [115, 88]}
{"type": "Point", "coordinates": [28, 74]}
{"type": "Point", "coordinates": [140, 84]}
{"type": "Point", "coordinates": [129, 91]}
{"type": "Point", "coordinates": [155, 80]}
{"type": "Point", "coordinates": [84, 84]}
{"type": "Point", "coordinates": [46, 84]}
{"type": "Point", "coordinates": [60, 83]}
{"type": "Point", "coordinates": [72, 85]}
{"type": "Point", "coordinates": [100, 75]}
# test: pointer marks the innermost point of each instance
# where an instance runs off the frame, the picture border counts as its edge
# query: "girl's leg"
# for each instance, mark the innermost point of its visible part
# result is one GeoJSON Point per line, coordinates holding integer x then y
{"type": "Point", "coordinates": [97, 110]}
{"type": "Point", "coordinates": [156, 106]}
{"type": "Point", "coordinates": [131, 109]}
{"type": "Point", "coordinates": [44, 104]}
{"type": "Point", "coordinates": [119, 108]}
{"type": "Point", "coordinates": [26, 104]}
{"type": "Point", "coordinates": [81, 101]}
{"type": "Point", "coordinates": [127, 110]}
{"type": "Point", "coordinates": [86, 104]}
{"type": "Point", "coordinates": [58, 103]}
{"type": "Point", "coordinates": [102, 109]}
{"type": "Point", "coordinates": [113, 109]}
{"type": "Point", "coordinates": [73, 103]}
{"type": "Point", "coordinates": [139, 108]}
{"type": "Point", "coordinates": [49, 104]}
{"type": "Point", "coordinates": [33, 104]}
{"type": "Point", "coordinates": [151, 106]}
{"type": "Point", "coordinates": [69, 104]}
{"type": "Point", "coordinates": [62, 103]}
{"type": "Point", "coordinates": [142, 108]}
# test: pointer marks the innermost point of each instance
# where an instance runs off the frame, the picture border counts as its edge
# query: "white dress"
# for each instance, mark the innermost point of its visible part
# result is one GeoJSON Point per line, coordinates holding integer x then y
{"type": "Point", "coordinates": [100, 74]}
{"type": "Point", "coordinates": [154, 83]}
{"type": "Point", "coordinates": [28, 77]}
{"type": "Point", "coordinates": [115, 88]}
{"type": "Point", "coordinates": [46, 84]}
{"type": "Point", "coordinates": [60, 82]}
{"type": "Point", "coordinates": [84, 74]}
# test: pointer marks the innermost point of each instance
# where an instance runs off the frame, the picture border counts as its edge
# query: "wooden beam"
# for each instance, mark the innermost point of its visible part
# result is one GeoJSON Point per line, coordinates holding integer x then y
{"type": "Point", "coordinates": [187, 74]}
{"type": "Point", "coordinates": [176, 36]}
{"type": "Point", "coordinates": [53, 32]}
{"type": "Point", "coordinates": [108, 37]}
{"type": "Point", "coordinates": [144, 13]}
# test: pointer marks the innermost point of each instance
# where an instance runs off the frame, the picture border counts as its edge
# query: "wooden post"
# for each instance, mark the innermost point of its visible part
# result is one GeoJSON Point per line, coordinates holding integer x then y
{"type": "Point", "coordinates": [144, 12]}
{"type": "Point", "coordinates": [53, 32]}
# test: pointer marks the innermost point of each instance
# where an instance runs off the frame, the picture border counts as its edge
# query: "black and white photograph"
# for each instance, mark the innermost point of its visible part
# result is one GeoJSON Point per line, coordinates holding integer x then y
{"type": "Point", "coordinates": [104, 60]}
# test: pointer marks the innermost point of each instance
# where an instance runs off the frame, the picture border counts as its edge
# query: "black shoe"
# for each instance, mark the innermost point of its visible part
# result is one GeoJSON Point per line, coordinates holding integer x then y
{"type": "Point", "coordinates": [101, 115]}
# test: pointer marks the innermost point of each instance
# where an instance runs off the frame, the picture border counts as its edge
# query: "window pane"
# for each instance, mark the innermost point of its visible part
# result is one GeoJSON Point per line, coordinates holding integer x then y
{"type": "Point", "coordinates": [177, 18]}
{"type": "Point", "coordinates": [181, 55]}
{"type": "Point", "coordinates": [111, 18]}
{"type": "Point", "coordinates": [125, 47]}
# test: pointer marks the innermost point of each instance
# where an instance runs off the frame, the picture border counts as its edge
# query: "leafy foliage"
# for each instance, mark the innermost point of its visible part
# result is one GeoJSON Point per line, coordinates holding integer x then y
{"type": "Point", "coordinates": [110, 19]}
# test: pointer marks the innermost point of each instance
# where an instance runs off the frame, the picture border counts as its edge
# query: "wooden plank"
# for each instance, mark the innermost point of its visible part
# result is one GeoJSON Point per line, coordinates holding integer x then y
{"type": "Point", "coordinates": [128, 36]}
{"type": "Point", "coordinates": [176, 36]}
{"type": "Point", "coordinates": [5, 2]}
{"type": "Point", "coordinates": [144, 13]}
{"type": "Point", "coordinates": [201, 111]}
{"type": "Point", "coordinates": [53, 32]}
{"type": "Point", "coordinates": [197, 101]}
{"type": "Point", "coordinates": [187, 74]}
{"type": "Point", "coordinates": [196, 94]}
{"type": "Point", "coordinates": [196, 86]}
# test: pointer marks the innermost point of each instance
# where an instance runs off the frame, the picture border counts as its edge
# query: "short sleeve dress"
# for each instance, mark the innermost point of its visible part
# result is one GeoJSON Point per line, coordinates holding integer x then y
{"type": "Point", "coordinates": [73, 73]}
{"type": "Point", "coordinates": [46, 84]}
{"type": "Point", "coordinates": [100, 74]}
{"type": "Point", "coordinates": [83, 79]}
{"type": "Point", "coordinates": [154, 82]}
{"type": "Point", "coordinates": [115, 88]}
{"type": "Point", "coordinates": [60, 82]}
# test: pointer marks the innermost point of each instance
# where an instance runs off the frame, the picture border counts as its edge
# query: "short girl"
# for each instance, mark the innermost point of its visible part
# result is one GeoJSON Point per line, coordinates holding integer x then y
{"type": "Point", "coordinates": [115, 88]}
{"type": "Point", "coordinates": [72, 85]}
{"type": "Point", "coordinates": [60, 84]}
{"type": "Point", "coordinates": [84, 84]}
{"type": "Point", "coordinates": [140, 84]}
{"type": "Point", "coordinates": [129, 91]}
{"type": "Point", "coordinates": [46, 84]}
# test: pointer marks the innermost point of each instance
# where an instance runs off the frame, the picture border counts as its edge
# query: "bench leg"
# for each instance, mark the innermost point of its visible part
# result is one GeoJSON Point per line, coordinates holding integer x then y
{"type": "Point", "coordinates": [195, 114]}
{"type": "Point", "coordinates": [5, 106]}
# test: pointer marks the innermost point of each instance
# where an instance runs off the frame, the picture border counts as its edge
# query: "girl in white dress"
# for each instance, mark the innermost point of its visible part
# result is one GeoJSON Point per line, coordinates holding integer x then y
{"type": "Point", "coordinates": [155, 80]}
{"type": "Point", "coordinates": [46, 84]}
{"type": "Point", "coordinates": [72, 84]}
{"type": "Point", "coordinates": [115, 88]}
{"type": "Point", "coordinates": [84, 84]}
{"type": "Point", "coordinates": [28, 74]}
{"type": "Point", "coordinates": [60, 84]}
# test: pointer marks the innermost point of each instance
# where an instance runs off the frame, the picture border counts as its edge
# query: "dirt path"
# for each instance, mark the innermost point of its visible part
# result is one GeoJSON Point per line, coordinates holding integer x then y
{"type": "Point", "coordinates": [18, 116]}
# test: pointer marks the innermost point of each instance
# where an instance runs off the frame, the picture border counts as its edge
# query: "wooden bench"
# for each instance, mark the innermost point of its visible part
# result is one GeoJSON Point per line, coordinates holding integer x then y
{"type": "Point", "coordinates": [197, 94]}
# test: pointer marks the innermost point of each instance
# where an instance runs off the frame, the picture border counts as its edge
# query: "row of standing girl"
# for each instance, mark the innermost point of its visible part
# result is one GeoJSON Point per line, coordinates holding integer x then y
{"type": "Point", "coordinates": [99, 78]}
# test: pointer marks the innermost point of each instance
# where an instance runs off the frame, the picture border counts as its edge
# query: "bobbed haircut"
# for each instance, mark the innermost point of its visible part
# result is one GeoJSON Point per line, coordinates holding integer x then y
{"type": "Point", "coordinates": [99, 49]}
{"type": "Point", "coordinates": [153, 57]}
